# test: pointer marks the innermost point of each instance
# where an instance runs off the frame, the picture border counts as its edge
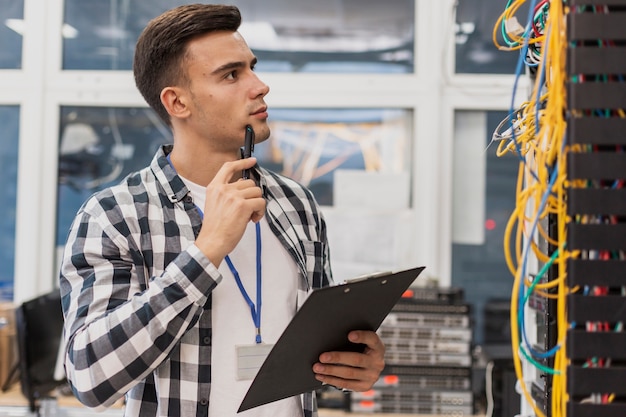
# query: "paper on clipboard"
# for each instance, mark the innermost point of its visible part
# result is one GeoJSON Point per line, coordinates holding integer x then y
{"type": "Point", "coordinates": [321, 325]}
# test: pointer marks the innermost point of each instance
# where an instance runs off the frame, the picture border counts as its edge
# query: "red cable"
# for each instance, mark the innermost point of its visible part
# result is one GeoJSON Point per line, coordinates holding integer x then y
{"type": "Point", "coordinates": [537, 8]}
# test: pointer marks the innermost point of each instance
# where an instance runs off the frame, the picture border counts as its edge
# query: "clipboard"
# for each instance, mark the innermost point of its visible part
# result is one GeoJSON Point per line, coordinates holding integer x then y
{"type": "Point", "coordinates": [321, 325]}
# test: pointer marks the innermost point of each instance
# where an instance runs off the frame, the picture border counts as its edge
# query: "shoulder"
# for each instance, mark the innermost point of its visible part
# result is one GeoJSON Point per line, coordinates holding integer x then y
{"type": "Point", "coordinates": [119, 201]}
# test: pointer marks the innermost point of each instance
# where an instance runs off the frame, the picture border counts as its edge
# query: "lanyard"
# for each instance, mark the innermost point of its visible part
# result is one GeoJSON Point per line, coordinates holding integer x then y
{"type": "Point", "coordinates": [254, 310]}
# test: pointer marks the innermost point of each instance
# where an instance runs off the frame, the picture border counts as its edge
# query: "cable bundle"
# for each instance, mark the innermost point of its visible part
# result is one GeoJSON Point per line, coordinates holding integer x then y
{"type": "Point", "coordinates": [536, 133]}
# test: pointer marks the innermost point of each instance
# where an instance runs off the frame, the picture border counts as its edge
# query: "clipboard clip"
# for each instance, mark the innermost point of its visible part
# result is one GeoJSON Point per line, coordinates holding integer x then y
{"type": "Point", "coordinates": [366, 277]}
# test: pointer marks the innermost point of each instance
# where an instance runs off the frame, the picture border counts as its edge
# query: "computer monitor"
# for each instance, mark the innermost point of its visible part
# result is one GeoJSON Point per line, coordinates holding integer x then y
{"type": "Point", "coordinates": [39, 325]}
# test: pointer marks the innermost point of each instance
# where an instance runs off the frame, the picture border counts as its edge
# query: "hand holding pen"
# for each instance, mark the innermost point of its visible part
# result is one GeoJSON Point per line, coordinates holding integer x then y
{"type": "Point", "coordinates": [229, 207]}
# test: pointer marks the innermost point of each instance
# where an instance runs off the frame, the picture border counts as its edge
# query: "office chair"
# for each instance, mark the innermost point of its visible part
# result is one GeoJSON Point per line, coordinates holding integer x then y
{"type": "Point", "coordinates": [39, 326]}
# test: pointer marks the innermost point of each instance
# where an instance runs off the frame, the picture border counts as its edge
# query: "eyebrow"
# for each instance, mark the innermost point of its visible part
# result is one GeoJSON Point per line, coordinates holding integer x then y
{"type": "Point", "coordinates": [233, 65]}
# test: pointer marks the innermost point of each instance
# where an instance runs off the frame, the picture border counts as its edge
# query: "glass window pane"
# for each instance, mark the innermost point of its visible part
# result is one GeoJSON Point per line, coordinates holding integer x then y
{"type": "Point", "coordinates": [98, 147]}
{"type": "Point", "coordinates": [357, 164]}
{"type": "Point", "coordinates": [9, 138]}
{"type": "Point", "coordinates": [356, 36]}
{"type": "Point", "coordinates": [11, 30]}
{"type": "Point", "coordinates": [483, 200]}
{"type": "Point", "coordinates": [475, 51]}
{"type": "Point", "coordinates": [311, 145]}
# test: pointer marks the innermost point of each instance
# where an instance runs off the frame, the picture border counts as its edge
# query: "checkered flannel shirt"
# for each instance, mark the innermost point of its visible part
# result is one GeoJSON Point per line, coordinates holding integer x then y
{"type": "Point", "coordinates": [136, 289]}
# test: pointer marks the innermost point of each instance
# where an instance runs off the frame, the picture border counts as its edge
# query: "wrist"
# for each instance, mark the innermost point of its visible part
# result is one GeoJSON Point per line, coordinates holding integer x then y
{"type": "Point", "coordinates": [214, 253]}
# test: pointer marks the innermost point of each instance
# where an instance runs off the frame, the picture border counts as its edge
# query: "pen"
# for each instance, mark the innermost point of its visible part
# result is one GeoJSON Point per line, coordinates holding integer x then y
{"type": "Point", "coordinates": [248, 148]}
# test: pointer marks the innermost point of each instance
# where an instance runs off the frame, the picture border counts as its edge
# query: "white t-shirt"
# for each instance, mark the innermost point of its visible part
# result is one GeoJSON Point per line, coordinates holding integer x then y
{"type": "Point", "coordinates": [232, 322]}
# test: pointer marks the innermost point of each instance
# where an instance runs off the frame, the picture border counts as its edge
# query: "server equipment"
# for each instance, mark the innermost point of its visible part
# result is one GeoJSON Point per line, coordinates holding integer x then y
{"type": "Point", "coordinates": [428, 337]}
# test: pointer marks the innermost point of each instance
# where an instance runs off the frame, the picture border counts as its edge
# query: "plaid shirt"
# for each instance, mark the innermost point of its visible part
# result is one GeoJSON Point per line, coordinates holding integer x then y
{"type": "Point", "coordinates": [136, 289]}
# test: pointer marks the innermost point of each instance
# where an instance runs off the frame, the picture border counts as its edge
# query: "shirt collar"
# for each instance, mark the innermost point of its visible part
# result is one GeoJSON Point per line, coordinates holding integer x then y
{"type": "Point", "coordinates": [166, 175]}
{"type": "Point", "coordinates": [173, 184]}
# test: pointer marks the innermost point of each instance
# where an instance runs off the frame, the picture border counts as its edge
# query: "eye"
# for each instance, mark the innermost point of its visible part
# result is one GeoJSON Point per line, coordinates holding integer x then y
{"type": "Point", "coordinates": [231, 75]}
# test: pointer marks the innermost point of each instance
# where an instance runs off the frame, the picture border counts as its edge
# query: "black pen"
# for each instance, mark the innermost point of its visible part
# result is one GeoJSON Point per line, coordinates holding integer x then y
{"type": "Point", "coordinates": [248, 148]}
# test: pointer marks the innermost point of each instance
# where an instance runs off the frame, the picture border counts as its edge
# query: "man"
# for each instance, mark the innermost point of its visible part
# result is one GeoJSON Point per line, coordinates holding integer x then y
{"type": "Point", "coordinates": [170, 278]}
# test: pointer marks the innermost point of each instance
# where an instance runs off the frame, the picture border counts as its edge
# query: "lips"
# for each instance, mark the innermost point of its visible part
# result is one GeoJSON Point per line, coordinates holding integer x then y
{"type": "Point", "coordinates": [259, 110]}
{"type": "Point", "coordinates": [260, 113]}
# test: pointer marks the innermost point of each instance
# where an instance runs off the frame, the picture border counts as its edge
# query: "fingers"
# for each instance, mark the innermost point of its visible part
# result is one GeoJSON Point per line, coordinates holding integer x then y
{"type": "Point", "coordinates": [369, 338]}
{"type": "Point", "coordinates": [242, 199]}
{"type": "Point", "coordinates": [229, 169]}
{"type": "Point", "coordinates": [352, 370]}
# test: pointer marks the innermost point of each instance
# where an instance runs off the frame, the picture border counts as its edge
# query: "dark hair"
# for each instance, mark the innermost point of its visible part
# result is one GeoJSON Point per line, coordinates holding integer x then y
{"type": "Point", "coordinates": [162, 45]}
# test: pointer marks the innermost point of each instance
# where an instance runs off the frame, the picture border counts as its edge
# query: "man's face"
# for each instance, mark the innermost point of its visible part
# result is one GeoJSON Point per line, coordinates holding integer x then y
{"type": "Point", "coordinates": [226, 94]}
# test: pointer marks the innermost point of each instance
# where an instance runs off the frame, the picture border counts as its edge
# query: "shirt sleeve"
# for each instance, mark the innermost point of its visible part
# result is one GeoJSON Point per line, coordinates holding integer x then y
{"type": "Point", "coordinates": [119, 328]}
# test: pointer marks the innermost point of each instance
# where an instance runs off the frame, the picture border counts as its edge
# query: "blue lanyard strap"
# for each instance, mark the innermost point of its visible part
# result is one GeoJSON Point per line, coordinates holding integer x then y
{"type": "Point", "coordinates": [254, 310]}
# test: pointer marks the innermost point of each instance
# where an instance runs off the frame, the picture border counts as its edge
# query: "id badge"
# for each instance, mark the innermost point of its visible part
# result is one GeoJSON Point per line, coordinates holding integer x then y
{"type": "Point", "coordinates": [250, 358]}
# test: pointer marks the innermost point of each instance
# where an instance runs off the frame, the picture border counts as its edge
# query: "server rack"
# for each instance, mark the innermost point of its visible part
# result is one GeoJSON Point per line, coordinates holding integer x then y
{"type": "Point", "coordinates": [596, 208]}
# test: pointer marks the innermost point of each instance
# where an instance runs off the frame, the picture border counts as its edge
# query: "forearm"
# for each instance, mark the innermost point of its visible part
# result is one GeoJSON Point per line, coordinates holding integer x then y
{"type": "Point", "coordinates": [112, 342]}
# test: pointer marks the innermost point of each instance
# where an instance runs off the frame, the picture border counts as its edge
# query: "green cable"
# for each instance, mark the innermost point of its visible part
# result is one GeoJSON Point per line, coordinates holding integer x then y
{"type": "Point", "coordinates": [503, 25]}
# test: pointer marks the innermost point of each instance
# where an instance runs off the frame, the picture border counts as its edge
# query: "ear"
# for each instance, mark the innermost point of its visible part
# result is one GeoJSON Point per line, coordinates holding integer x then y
{"type": "Point", "coordinates": [174, 101]}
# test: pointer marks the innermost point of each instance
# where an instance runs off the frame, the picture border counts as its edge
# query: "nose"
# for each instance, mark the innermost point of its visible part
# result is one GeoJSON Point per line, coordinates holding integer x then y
{"type": "Point", "coordinates": [260, 89]}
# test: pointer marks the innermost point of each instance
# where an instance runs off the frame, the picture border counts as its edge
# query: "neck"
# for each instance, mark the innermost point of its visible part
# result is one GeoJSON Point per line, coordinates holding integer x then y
{"type": "Point", "coordinates": [199, 164]}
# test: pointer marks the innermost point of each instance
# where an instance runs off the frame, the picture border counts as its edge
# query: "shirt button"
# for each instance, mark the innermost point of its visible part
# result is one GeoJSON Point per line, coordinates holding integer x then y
{"type": "Point", "coordinates": [188, 199]}
{"type": "Point", "coordinates": [206, 340]}
{"type": "Point", "coordinates": [204, 401]}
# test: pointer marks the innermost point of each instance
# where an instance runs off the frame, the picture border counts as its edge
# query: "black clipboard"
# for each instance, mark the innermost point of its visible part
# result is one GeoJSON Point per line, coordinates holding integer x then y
{"type": "Point", "coordinates": [321, 325]}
